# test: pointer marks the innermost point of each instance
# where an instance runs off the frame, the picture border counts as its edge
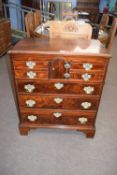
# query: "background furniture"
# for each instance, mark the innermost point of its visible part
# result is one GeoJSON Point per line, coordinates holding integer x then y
{"type": "Point", "coordinates": [33, 3]}
{"type": "Point", "coordinates": [90, 6]}
{"type": "Point", "coordinates": [29, 24]}
{"type": "Point", "coordinates": [37, 18]}
{"type": "Point", "coordinates": [111, 35]}
{"type": "Point", "coordinates": [32, 21]}
{"type": "Point", "coordinates": [107, 37]}
{"type": "Point", "coordinates": [5, 35]}
{"type": "Point", "coordinates": [57, 29]}
{"type": "Point", "coordinates": [69, 15]}
{"type": "Point", "coordinates": [103, 25]}
{"type": "Point", "coordinates": [0, 8]}
{"type": "Point", "coordinates": [58, 6]}
{"type": "Point", "coordinates": [104, 21]}
{"type": "Point", "coordinates": [58, 83]}
{"type": "Point", "coordinates": [69, 29]}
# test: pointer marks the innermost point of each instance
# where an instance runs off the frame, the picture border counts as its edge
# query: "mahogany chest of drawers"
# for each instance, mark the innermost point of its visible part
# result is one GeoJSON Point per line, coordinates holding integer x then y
{"type": "Point", "coordinates": [58, 83]}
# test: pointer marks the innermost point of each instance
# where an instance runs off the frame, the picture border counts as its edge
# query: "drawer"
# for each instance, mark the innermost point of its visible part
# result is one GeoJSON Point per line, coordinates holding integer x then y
{"type": "Point", "coordinates": [87, 76]}
{"type": "Point", "coordinates": [42, 61]}
{"type": "Point", "coordinates": [31, 74]}
{"type": "Point", "coordinates": [58, 102]}
{"type": "Point", "coordinates": [82, 76]}
{"type": "Point", "coordinates": [88, 65]}
{"type": "Point", "coordinates": [58, 87]}
{"type": "Point", "coordinates": [36, 65]}
{"type": "Point", "coordinates": [57, 117]}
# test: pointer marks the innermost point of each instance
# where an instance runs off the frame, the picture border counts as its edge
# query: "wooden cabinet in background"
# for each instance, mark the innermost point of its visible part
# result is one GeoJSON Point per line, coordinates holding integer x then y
{"type": "Point", "coordinates": [32, 3]}
{"type": "Point", "coordinates": [0, 9]}
{"type": "Point", "coordinates": [90, 6]}
{"type": "Point", "coordinates": [5, 35]}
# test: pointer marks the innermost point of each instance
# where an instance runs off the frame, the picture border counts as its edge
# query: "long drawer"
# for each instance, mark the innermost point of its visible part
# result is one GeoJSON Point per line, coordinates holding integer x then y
{"type": "Point", "coordinates": [26, 86]}
{"type": "Point", "coordinates": [79, 75]}
{"type": "Point", "coordinates": [58, 102]}
{"type": "Point", "coordinates": [42, 61]}
{"type": "Point", "coordinates": [57, 117]}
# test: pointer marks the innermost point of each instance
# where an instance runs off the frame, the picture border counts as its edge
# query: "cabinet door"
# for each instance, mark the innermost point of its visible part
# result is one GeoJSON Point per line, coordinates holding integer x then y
{"type": "Point", "coordinates": [59, 68]}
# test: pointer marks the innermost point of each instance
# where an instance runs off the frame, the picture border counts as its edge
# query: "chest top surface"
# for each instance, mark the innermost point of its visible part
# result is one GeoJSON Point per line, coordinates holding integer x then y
{"type": "Point", "coordinates": [60, 46]}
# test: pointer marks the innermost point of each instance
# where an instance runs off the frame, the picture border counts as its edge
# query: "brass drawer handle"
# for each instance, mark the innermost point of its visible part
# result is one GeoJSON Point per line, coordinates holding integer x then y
{"type": "Point", "coordinates": [32, 118]}
{"type": "Point", "coordinates": [67, 65]}
{"type": "Point", "coordinates": [30, 103]}
{"type": "Point", "coordinates": [57, 114]}
{"type": "Point", "coordinates": [58, 100]}
{"type": "Point", "coordinates": [30, 64]}
{"type": "Point", "coordinates": [86, 105]}
{"type": "Point", "coordinates": [86, 77]}
{"type": "Point", "coordinates": [58, 85]}
{"type": "Point", "coordinates": [87, 66]}
{"type": "Point", "coordinates": [31, 74]}
{"type": "Point", "coordinates": [67, 75]}
{"type": "Point", "coordinates": [88, 89]}
{"type": "Point", "coordinates": [29, 88]}
{"type": "Point", "coordinates": [83, 120]}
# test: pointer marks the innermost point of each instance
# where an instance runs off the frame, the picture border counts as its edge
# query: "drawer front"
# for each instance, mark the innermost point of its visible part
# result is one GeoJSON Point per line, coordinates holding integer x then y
{"type": "Point", "coordinates": [88, 65]}
{"type": "Point", "coordinates": [86, 77]}
{"type": "Point", "coordinates": [58, 102]}
{"type": "Point", "coordinates": [58, 87]}
{"type": "Point", "coordinates": [36, 65]}
{"type": "Point", "coordinates": [81, 65]}
{"type": "Point", "coordinates": [31, 74]}
{"type": "Point", "coordinates": [57, 117]}
{"type": "Point", "coordinates": [71, 59]}
{"type": "Point", "coordinates": [59, 67]}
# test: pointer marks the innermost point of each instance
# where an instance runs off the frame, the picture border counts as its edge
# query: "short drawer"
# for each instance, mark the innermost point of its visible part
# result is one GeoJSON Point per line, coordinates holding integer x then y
{"type": "Point", "coordinates": [58, 102]}
{"type": "Point", "coordinates": [31, 74]}
{"type": "Point", "coordinates": [45, 87]}
{"type": "Point", "coordinates": [87, 76]}
{"type": "Point", "coordinates": [57, 117]}
{"type": "Point", "coordinates": [36, 65]}
{"type": "Point", "coordinates": [82, 76]}
{"type": "Point", "coordinates": [88, 65]}
{"type": "Point", "coordinates": [42, 61]}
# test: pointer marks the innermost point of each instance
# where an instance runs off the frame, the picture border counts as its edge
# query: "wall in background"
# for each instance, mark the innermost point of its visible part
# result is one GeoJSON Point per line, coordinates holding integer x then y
{"type": "Point", "coordinates": [110, 4]}
{"type": "Point", "coordinates": [74, 2]}
{"type": "Point", "coordinates": [15, 24]}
